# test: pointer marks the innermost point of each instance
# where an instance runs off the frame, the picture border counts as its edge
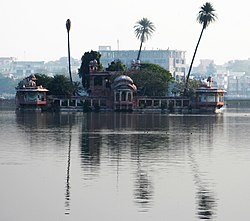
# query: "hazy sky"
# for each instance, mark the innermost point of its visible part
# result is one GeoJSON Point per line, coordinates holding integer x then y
{"type": "Point", "coordinates": [35, 30]}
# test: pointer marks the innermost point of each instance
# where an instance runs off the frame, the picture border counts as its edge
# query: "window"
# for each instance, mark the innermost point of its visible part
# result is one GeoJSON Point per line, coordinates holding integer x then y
{"type": "Point", "coordinates": [129, 97]}
{"type": "Point", "coordinates": [124, 96]}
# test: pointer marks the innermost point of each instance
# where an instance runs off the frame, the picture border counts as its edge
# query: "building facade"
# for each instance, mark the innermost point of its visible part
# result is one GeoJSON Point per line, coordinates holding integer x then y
{"type": "Point", "coordinates": [172, 60]}
{"type": "Point", "coordinates": [21, 69]}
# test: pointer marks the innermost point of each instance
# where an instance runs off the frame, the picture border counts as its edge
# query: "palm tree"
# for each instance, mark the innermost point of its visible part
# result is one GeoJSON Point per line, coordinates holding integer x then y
{"type": "Point", "coordinates": [205, 16]}
{"type": "Point", "coordinates": [143, 30]}
{"type": "Point", "coordinates": [68, 25]}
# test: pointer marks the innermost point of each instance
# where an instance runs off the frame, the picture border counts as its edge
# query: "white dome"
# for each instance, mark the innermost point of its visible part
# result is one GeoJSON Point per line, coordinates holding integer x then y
{"type": "Point", "coordinates": [123, 78]}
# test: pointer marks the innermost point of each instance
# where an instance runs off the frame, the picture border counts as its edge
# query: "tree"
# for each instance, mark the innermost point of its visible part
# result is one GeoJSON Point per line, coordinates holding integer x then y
{"type": "Point", "coordinates": [143, 30]}
{"type": "Point", "coordinates": [7, 85]}
{"type": "Point", "coordinates": [43, 80]}
{"type": "Point", "coordinates": [61, 85]}
{"type": "Point", "coordinates": [68, 26]}
{"type": "Point", "coordinates": [83, 71]}
{"type": "Point", "coordinates": [205, 16]}
{"type": "Point", "coordinates": [57, 85]}
{"type": "Point", "coordinates": [116, 65]}
{"type": "Point", "coordinates": [179, 87]}
{"type": "Point", "coordinates": [151, 80]}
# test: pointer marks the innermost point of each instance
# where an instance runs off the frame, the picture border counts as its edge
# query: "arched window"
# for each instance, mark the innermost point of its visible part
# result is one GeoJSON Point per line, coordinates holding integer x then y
{"type": "Point", "coordinates": [129, 97]}
{"type": "Point", "coordinates": [124, 96]}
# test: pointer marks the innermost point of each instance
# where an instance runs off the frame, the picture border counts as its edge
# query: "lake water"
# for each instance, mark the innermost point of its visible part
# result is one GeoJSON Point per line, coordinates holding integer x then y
{"type": "Point", "coordinates": [124, 166]}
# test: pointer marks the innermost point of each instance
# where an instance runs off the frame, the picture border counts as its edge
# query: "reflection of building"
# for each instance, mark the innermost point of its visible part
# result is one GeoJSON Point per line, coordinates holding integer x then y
{"type": "Point", "coordinates": [172, 60]}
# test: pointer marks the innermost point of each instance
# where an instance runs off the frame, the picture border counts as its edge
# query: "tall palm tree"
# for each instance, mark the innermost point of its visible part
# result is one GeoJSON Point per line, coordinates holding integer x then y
{"type": "Point", "coordinates": [68, 25]}
{"type": "Point", "coordinates": [205, 16]}
{"type": "Point", "coordinates": [143, 30]}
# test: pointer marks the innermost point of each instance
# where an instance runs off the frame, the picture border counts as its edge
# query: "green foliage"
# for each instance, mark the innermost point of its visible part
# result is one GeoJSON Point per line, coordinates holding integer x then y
{"type": "Point", "coordinates": [151, 80]}
{"type": "Point", "coordinates": [83, 71]}
{"type": "Point", "coordinates": [179, 86]}
{"type": "Point", "coordinates": [61, 85]}
{"type": "Point", "coordinates": [57, 85]}
{"type": "Point", "coordinates": [206, 15]}
{"type": "Point", "coordinates": [7, 85]}
{"type": "Point", "coordinates": [117, 65]}
{"type": "Point", "coordinates": [144, 29]}
{"type": "Point", "coordinates": [43, 80]}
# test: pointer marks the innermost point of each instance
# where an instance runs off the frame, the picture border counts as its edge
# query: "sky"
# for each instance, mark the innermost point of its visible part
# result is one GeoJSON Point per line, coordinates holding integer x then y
{"type": "Point", "coordinates": [35, 30]}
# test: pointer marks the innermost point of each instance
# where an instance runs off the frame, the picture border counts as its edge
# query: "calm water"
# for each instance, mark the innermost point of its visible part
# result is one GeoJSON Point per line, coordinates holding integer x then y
{"type": "Point", "coordinates": [117, 166]}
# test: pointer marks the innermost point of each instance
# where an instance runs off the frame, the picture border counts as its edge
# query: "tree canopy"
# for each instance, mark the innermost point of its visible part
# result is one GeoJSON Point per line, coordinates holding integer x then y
{"type": "Point", "coordinates": [151, 80]}
{"type": "Point", "coordinates": [117, 65]}
{"type": "Point", "coordinates": [7, 85]}
{"type": "Point", "coordinates": [179, 86]}
{"type": "Point", "coordinates": [205, 16]}
{"type": "Point", "coordinates": [144, 29]}
{"type": "Point", "coordinates": [83, 71]}
{"type": "Point", "coordinates": [57, 85]}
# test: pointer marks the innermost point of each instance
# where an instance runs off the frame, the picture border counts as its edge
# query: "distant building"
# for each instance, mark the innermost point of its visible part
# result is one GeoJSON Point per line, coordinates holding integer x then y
{"type": "Point", "coordinates": [238, 84]}
{"type": "Point", "coordinates": [21, 69]}
{"type": "Point", "coordinates": [5, 65]}
{"type": "Point", "coordinates": [204, 64]}
{"type": "Point", "coordinates": [61, 66]}
{"type": "Point", "coordinates": [172, 60]}
{"type": "Point", "coordinates": [221, 78]}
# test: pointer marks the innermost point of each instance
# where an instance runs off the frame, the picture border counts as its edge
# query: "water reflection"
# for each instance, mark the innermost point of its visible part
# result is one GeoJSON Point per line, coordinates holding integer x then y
{"type": "Point", "coordinates": [34, 120]}
{"type": "Point", "coordinates": [205, 196]}
{"type": "Point", "coordinates": [67, 188]}
{"type": "Point", "coordinates": [42, 128]}
{"type": "Point", "coordinates": [143, 190]}
{"type": "Point", "coordinates": [89, 147]}
{"type": "Point", "coordinates": [206, 204]}
{"type": "Point", "coordinates": [150, 139]}
{"type": "Point", "coordinates": [144, 141]}
{"type": "Point", "coordinates": [55, 129]}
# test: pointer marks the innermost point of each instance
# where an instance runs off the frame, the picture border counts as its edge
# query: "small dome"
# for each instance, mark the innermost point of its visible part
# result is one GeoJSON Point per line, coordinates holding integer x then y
{"type": "Point", "coordinates": [123, 78]}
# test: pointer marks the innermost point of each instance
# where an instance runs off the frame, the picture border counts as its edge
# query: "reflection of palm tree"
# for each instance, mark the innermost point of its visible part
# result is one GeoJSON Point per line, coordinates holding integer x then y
{"type": "Point", "coordinates": [68, 25]}
{"type": "Point", "coordinates": [206, 204]}
{"type": "Point", "coordinates": [143, 190]}
{"type": "Point", "coordinates": [143, 186]}
{"type": "Point", "coordinates": [90, 143]}
{"type": "Point", "coordinates": [67, 194]}
{"type": "Point", "coordinates": [206, 199]}
{"type": "Point", "coordinates": [206, 16]}
{"type": "Point", "coordinates": [143, 30]}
